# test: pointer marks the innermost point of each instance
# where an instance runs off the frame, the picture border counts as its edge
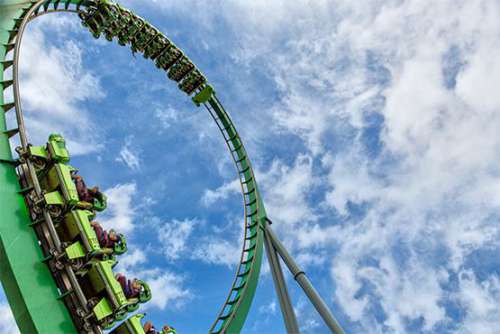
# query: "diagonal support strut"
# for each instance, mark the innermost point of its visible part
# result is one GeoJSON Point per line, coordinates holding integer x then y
{"type": "Point", "coordinates": [306, 285]}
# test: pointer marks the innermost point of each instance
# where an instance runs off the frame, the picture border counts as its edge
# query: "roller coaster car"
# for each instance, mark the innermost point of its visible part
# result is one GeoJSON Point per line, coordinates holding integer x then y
{"type": "Point", "coordinates": [132, 325]}
{"type": "Point", "coordinates": [89, 21]}
{"type": "Point", "coordinates": [120, 23]}
{"type": "Point", "coordinates": [147, 33]}
{"type": "Point", "coordinates": [180, 69]}
{"type": "Point", "coordinates": [54, 152]}
{"type": "Point", "coordinates": [97, 19]}
{"type": "Point", "coordinates": [105, 294]}
{"type": "Point", "coordinates": [156, 46]}
{"type": "Point", "coordinates": [60, 191]}
{"type": "Point", "coordinates": [192, 81]}
{"type": "Point", "coordinates": [168, 58]}
{"type": "Point", "coordinates": [125, 36]}
{"type": "Point", "coordinates": [80, 240]}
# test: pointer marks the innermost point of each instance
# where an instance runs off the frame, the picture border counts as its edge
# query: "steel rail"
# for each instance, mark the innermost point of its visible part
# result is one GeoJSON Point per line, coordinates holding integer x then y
{"type": "Point", "coordinates": [225, 317]}
{"type": "Point", "coordinates": [250, 242]}
{"type": "Point", "coordinates": [55, 241]}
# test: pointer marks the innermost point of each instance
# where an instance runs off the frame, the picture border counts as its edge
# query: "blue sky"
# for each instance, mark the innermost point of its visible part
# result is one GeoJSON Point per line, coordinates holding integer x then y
{"type": "Point", "coordinates": [372, 128]}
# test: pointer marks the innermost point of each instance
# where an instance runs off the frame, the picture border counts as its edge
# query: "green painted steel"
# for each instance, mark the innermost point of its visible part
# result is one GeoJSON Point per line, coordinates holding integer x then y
{"type": "Point", "coordinates": [237, 306]}
{"type": "Point", "coordinates": [27, 281]}
{"type": "Point", "coordinates": [190, 80]}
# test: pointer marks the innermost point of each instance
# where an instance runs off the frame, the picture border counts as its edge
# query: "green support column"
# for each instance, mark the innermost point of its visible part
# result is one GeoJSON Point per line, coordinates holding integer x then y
{"type": "Point", "coordinates": [28, 284]}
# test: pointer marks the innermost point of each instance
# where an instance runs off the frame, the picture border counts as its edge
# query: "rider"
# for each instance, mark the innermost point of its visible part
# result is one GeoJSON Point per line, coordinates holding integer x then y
{"type": "Point", "coordinates": [150, 329]}
{"type": "Point", "coordinates": [106, 239]}
{"type": "Point", "coordinates": [85, 194]}
{"type": "Point", "coordinates": [132, 289]}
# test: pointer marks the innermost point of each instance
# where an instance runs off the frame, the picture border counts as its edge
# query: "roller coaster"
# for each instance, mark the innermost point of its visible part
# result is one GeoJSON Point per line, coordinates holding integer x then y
{"type": "Point", "coordinates": [64, 280]}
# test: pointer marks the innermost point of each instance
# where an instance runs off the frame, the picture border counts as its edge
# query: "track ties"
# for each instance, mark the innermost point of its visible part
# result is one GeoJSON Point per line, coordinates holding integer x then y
{"type": "Point", "coordinates": [12, 34]}
{"type": "Point", "coordinates": [250, 259]}
{"type": "Point", "coordinates": [250, 237]}
{"type": "Point", "coordinates": [7, 106]}
{"type": "Point", "coordinates": [253, 224]}
{"type": "Point", "coordinates": [9, 47]}
{"type": "Point", "coordinates": [251, 214]}
{"type": "Point", "coordinates": [241, 160]}
{"type": "Point", "coordinates": [7, 63]}
{"type": "Point", "coordinates": [6, 83]}
{"type": "Point", "coordinates": [12, 162]}
{"type": "Point", "coordinates": [239, 287]}
{"type": "Point", "coordinates": [245, 273]}
{"type": "Point", "coordinates": [236, 148]}
{"type": "Point", "coordinates": [251, 203]}
{"type": "Point", "coordinates": [243, 171]}
{"type": "Point", "coordinates": [11, 133]}
{"type": "Point", "coordinates": [250, 192]}
{"type": "Point", "coordinates": [65, 294]}
{"type": "Point", "coordinates": [250, 179]}
{"type": "Point", "coordinates": [234, 301]}
{"type": "Point", "coordinates": [233, 137]}
{"type": "Point", "coordinates": [251, 248]}
{"type": "Point", "coordinates": [25, 190]}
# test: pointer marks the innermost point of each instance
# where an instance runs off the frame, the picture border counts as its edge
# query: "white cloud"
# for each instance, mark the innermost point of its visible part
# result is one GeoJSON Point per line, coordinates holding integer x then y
{"type": "Point", "coordinates": [132, 259]}
{"type": "Point", "coordinates": [56, 107]}
{"type": "Point", "coordinates": [129, 156]}
{"type": "Point", "coordinates": [173, 237]}
{"type": "Point", "coordinates": [167, 116]}
{"type": "Point", "coordinates": [7, 322]}
{"type": "Point", "coordinates": [168, 289]}
{"type": "Point", "coordinates": [211, 197]}
{"type": "Point", "coordinates": [120, 213]}
{"type": "Point", "coordinates": [218, 251]}
{"type": "Point", "coordinates": [481, 303]}
{"type": "Point", "coordinates": [286, 191]}
{"type": "Point", "coordinates": [268, 309]}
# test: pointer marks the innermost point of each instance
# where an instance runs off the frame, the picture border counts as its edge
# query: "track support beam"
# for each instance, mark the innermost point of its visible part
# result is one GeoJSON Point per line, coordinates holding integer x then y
{"type": "Point", "coordinates": [291, 324]}
{"type": "Point", "coordinates": [306, 285]}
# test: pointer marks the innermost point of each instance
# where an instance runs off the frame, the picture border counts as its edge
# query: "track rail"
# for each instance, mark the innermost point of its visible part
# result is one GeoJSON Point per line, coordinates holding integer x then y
{"type": "Point", "coordinates": [235, 309]}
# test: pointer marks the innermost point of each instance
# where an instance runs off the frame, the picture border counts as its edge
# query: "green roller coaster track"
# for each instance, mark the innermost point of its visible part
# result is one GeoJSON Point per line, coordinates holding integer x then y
{"type": "Point", "coordinates": [28, 280]}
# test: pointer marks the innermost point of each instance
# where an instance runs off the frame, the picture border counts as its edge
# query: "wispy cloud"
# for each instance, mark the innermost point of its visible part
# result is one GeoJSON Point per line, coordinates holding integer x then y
{"type": "Point", "coordinates": [121, 209]}
{"type": "Point", "coordinates": [129, 155]}
{"type": "Point", "coordinates": [173, 237]}
{"type": "Point", "coordinates": [168, 288]}
{"type": "Point", "coordinates": [211, 197]}
{"type": "Point", "coordinates": [54, 83]}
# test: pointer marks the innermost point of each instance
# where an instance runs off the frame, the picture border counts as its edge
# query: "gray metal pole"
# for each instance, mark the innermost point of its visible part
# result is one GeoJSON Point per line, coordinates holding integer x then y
{"type": "Point", "coordinates": [280, 286]}
{"type": "Point", "coordinates": [305, 284]}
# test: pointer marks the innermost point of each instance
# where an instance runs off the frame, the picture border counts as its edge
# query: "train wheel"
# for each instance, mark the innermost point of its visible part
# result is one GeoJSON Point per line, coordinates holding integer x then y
{"type": "Point", "coordinates": [59, 265]}
{"type": "Point", "coordinates": [120, 315]}
{"type": "Point", "coordinates": [39, 164]}
{"type": "Point", "coordinates": [108, 323]}
{"type": "Point", "coordinates": [87, 327]}
{"type": "Point", "coordinates": [92, 302]}
{"type": "Point", "coordinates": [55, 211]}
{"type": "Point", "coordinates": [77, 264]}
